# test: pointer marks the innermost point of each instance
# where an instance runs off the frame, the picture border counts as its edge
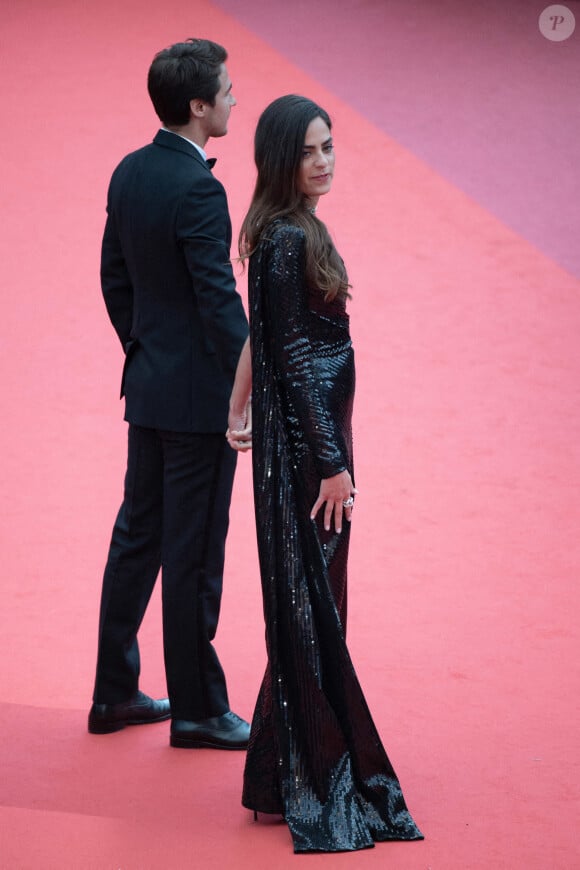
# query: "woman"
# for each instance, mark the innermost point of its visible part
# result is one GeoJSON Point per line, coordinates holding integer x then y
{"type": "Point", "coordinates": [314, 755]}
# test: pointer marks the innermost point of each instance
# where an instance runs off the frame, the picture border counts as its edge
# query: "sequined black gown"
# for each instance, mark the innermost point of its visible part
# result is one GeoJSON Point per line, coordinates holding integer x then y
{"type": "Point", "coordinates": [314, 754]}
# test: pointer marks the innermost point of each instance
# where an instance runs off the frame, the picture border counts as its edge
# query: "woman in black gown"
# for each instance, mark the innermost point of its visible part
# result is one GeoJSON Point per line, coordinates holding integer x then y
{"type": "Point", "coordinates": [314, 755]}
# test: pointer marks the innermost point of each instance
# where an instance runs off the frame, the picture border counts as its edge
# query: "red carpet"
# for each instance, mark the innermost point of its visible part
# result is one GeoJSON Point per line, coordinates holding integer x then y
{"type": "Point", "coordinates": [466, 554]}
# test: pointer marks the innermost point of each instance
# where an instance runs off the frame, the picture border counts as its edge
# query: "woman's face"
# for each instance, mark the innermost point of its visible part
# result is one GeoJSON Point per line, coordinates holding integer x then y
{"type": "Point", "coordinates": [317, 168]}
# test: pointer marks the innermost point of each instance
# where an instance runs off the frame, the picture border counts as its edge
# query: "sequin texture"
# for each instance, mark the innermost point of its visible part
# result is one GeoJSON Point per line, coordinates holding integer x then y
{"type": "Point", "coordinates": [315, 755]}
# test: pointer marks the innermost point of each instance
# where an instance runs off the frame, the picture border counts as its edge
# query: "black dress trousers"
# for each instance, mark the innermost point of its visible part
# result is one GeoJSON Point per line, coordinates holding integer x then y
{"type": "Point", "coordinates": [174, 516]}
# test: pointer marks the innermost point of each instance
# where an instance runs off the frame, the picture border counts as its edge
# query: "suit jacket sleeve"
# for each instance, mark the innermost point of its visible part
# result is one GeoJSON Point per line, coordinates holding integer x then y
{"type": "Point", "coordinates": [115, 282]}
{"type": "Point", "coordinates": [204, 233]}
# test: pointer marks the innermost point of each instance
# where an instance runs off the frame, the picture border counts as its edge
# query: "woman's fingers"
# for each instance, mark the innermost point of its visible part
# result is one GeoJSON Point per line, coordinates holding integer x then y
{"type": "Point", "coordinates": [328, 510]}
{"type": "Point", "coordinates": [316, 507]}
{"type": "Point", "coordinates": [338, 511]}
{"type": "Point", "coordinates": [333, 513]}
{"type": "Point", "coordinates": [240, 440]}
{"type": "Point", "coordinates": [336, 506]}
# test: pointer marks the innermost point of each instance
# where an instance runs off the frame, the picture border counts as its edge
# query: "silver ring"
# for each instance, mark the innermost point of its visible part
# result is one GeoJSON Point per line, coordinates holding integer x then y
{"type": "Point", "coordinates": [348, 502]}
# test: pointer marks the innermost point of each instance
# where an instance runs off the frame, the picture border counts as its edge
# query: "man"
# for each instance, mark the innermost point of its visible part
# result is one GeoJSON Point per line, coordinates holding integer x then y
{"type": "Point", "coordinates": [169, 290]}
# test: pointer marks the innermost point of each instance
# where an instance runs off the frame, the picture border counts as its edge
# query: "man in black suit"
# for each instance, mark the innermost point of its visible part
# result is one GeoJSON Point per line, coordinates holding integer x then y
{"type": "Point", "coordinates": [169, 290]}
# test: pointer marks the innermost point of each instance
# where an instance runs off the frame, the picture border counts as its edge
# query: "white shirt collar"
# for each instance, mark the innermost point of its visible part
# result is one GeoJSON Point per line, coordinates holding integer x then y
{"type": "Point", "coordinates": [195, 145]}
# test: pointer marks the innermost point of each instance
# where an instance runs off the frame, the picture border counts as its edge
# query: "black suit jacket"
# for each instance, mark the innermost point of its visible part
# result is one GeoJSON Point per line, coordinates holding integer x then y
{"type": "Point", "coordinates": [169, 288]}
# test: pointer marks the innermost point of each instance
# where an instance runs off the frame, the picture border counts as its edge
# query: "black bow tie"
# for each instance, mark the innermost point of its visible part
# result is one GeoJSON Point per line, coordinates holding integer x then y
{"type": "Point", "coordinates": [211, 161]}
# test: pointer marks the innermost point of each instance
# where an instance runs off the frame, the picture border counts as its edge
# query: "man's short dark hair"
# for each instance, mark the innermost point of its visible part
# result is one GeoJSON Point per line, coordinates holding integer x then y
{"type": "Point", "coordinates": [183, 72]}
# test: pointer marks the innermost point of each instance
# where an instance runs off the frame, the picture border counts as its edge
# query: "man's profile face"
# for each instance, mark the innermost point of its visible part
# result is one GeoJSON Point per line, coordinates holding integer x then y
{"type": "Point", "coordinates": [217, 116]}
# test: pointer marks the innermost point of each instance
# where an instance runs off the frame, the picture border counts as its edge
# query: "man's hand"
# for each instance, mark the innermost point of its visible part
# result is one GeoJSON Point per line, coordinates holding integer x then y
{"type": "Point", "coordinates": [239, 432]}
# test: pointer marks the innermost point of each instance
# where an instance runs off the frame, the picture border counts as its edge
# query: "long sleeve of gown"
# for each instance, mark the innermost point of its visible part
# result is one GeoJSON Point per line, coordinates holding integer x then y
{"type": "Point", "coordinates": [300, 368]}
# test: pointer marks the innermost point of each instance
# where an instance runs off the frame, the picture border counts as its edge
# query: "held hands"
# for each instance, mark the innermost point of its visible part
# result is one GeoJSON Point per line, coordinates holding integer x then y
{"type": "Point", "coordinates": [239, 432]}
{"type": "Point", "coordinates": [337, 495]}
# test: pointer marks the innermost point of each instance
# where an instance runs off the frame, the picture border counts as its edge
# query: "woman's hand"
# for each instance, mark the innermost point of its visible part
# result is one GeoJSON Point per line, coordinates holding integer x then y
{"type": "Point", "coordinates": [337, 495]}
{"type": "Point", "coordinates": [239, 432]}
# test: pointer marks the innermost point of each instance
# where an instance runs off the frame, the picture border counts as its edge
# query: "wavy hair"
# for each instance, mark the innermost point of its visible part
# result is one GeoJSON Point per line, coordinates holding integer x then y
{"type": "Point", "coordinates": [278, 154]}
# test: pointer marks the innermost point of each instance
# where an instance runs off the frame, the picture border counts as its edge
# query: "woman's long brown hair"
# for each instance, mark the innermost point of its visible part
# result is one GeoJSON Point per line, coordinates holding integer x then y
{"type": "Point", "coordinates": [278, 150]}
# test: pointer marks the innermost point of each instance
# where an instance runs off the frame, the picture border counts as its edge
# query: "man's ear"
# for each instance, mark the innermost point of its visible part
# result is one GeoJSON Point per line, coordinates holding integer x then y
{"type": "Point", "coordinates": [197, 108]}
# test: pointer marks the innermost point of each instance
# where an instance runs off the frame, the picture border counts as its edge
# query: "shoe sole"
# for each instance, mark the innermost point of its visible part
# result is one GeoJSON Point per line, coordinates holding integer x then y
{"type": "Point", "coordinates": [187, 743]}
{"type": "Point", "coordinates": [112, 727]}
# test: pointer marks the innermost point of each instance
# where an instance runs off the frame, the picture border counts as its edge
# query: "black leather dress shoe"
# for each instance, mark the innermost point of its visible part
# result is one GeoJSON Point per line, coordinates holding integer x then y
{"type": "Point", "coordinates": [228, 731]}
{"type": "Point", "coordinates": [140, 710]}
